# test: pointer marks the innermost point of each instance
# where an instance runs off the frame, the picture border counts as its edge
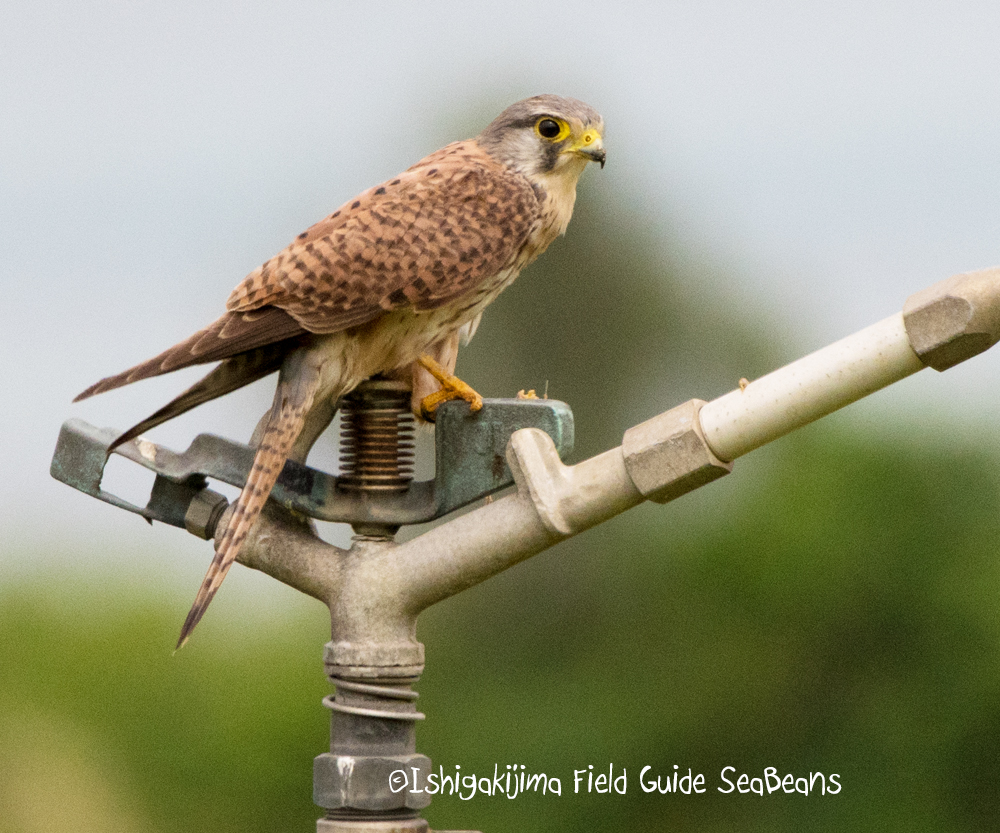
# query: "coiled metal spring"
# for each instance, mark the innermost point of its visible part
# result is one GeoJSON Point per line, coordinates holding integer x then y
{"type": "Point", "coordinates": [376, 438]}
{"type": "Point", "coordinates": [400, 696]}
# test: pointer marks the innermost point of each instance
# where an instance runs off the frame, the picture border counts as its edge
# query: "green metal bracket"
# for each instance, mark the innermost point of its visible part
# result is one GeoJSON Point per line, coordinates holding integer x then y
{"type": "Point", "coordinates": [469, 451]}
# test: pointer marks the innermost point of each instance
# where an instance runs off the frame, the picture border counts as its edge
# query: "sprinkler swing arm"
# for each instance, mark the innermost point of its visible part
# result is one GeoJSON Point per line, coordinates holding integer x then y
{"type": "Point", "coordinates": [469, 451]}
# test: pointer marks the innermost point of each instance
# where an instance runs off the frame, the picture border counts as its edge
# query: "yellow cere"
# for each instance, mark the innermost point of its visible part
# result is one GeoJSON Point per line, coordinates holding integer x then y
{"type": "Point", "coordinates": [589, 137]}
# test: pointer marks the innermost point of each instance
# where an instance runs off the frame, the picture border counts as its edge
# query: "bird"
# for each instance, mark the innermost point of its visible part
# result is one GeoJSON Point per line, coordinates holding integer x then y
{"type": "Point", "coordinates": [390, 283]}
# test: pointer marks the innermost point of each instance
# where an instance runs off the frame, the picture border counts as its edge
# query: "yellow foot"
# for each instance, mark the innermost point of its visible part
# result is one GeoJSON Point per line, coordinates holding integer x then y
{"type": "Point", "coordinates": [451, 388]}
{"type": "Point", "coordinates": [527, 394]}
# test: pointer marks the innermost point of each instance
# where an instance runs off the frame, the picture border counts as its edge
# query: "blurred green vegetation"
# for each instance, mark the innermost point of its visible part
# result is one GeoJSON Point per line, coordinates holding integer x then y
{"type": "Point", "coordinates": [831, 607]}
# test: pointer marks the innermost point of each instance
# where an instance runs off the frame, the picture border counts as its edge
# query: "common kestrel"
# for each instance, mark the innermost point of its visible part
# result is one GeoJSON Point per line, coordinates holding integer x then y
{"type": "Point", "coordinates": [390, 282]}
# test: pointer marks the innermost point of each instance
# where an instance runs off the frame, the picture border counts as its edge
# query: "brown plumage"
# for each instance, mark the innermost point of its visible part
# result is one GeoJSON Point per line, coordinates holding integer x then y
{"type": "Point", "coordinates": [404, 270]}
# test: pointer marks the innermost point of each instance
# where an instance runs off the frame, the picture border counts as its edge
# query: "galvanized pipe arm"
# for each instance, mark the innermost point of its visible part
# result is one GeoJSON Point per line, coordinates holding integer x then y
{"type": "Point", "coordinates": [285, 546]}
{"type": "Point", "coordinates": [659, 460]}
{"type": "Point", "coordinates": [694, 443]}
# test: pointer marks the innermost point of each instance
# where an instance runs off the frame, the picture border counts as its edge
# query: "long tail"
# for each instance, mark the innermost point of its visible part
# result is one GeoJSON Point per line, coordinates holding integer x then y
{"type": "Point", "coordinates": [233, 333]}
{"type": "Point", "coordinates": [298, 384]}
{"type": "Point", "coordinates": [232, 374]}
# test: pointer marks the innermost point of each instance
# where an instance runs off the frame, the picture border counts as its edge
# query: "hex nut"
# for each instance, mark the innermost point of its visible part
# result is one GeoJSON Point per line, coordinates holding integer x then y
{"type": "Point", "coordinates": [668, 455]}
{"type": "Point", "coordinates": [955, 319]}
{"type": "Point", "coordinates": [362, 782]}
{"type": "Point", "coordinates": [203, 513]}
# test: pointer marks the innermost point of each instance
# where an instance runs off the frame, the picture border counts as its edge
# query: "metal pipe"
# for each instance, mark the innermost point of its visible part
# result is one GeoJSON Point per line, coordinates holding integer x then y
{"type": "Point", "coordinates": [471, 548]}
{"type": "Point", "coordinates": [810, 388]}
{"type": "Point", "coordinates": [691, 445]}
{"type": "Point", "coordinates": [940, 326]}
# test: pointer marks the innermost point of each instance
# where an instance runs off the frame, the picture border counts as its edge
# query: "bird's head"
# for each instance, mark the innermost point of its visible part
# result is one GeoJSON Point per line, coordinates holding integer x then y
{"type": "Point", "coordinates": [546, 136]}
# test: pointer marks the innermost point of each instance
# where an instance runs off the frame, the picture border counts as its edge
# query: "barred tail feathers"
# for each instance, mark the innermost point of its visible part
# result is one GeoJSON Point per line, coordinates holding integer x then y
{"type": "Point", "coordinates": [233, 333]}
{"type": "Point", "coordinates": [297, 388]}
{"type": "Point", "coordinates": [231, 375]}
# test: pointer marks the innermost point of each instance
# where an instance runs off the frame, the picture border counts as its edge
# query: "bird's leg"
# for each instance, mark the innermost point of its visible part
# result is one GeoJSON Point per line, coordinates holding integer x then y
{"type": "Point", "coordinates": [451, 388]}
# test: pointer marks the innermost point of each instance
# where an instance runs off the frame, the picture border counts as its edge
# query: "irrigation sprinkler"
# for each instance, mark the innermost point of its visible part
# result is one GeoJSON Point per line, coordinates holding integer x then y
{"type": "Point", "coordinates": [376, 589]}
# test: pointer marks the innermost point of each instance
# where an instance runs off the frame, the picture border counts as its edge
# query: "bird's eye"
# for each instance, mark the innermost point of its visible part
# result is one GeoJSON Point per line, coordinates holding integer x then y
{"type": "Point", "coordinates": [548, 128]}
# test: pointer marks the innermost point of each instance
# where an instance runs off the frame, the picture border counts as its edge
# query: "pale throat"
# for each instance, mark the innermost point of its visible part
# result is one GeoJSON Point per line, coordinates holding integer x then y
{"type": "Point", "coordinates": [559, 186]}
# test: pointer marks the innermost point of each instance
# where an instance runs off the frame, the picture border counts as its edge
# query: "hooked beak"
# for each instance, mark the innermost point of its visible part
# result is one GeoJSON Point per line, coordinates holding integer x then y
{"type": "Point", "coordinates": [595, 155]}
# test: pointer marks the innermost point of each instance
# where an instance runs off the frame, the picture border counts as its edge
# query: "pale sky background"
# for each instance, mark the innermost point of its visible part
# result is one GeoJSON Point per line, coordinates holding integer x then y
{"type": "Point", "coordinates": [833, 157]}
